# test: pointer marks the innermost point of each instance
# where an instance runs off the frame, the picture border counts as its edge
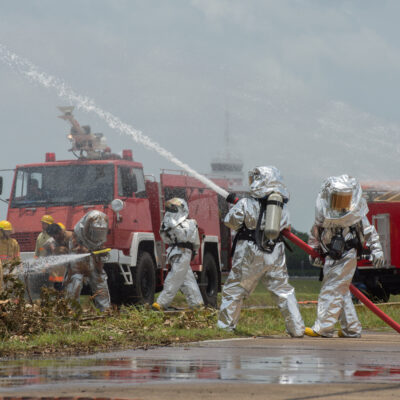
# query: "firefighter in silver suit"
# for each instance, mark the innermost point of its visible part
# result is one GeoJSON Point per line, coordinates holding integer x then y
{"type": "Point", "coordinates": [341, 232]}
{"type": "Point", "coordinates": [182, 236]}
{"type": "Point", "coordinates": [90, 234]}
{"type": "Point", "coordinates": [257, 256]}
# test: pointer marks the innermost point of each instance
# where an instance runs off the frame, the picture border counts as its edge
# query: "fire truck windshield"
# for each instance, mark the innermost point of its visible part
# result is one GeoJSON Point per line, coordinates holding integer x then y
{"type": "Point", "coordinates": [63, 185]}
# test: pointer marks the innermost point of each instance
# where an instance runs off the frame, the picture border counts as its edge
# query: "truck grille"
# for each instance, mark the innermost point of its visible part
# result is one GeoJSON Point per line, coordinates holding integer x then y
{"type": "Point", "coordinates": [26, 240]}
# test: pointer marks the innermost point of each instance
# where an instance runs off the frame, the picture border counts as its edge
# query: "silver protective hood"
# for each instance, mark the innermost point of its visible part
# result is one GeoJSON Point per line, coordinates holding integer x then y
{"type": "Point", "coordinates": [173, 219]}
{"type": "Point", "coordinates": [328, 217]}
{"type": "Point", "coordinates": [266, 180]}
{"type": "Point", "coordinates": [91, 230]}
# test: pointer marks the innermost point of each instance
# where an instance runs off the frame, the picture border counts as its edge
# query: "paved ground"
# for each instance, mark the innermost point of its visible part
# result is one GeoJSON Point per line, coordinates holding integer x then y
{"type": "Point", "coordinates": [256, 368]}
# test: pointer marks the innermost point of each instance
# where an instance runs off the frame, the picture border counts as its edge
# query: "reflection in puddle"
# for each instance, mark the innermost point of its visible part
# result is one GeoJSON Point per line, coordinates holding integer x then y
{"type": "Point", "coordinates": [194, 363]}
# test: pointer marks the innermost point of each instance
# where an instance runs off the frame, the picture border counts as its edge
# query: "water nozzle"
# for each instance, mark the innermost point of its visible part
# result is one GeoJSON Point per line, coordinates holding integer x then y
{"type": "Point", "coordinates": [232, 198]}
{"type": "Point", "coordinates": [102, 251]}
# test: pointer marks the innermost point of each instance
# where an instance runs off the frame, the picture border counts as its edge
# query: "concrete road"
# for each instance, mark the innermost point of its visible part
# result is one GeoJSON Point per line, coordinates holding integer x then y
{"type": "Point", "coordinates": [254, 368]}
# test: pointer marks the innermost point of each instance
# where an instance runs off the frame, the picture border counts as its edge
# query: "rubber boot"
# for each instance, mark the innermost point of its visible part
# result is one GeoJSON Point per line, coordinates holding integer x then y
{"type": "Point", "coordinates": [156, 307]}
{"type": "Point", "coordinates": [310, 332]}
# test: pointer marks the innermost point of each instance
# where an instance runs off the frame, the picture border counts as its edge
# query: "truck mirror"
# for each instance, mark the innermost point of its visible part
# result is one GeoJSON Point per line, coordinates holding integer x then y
{"type": "Point", "coordinates": [117, 205]}
{"type": "Point", "coordinates": [1, 184]}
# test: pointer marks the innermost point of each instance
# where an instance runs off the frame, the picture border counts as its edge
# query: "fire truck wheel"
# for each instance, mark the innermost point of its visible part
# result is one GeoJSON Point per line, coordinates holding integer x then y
{"type": "Point", "coordinates": [144, 279]}
{"type": "Point", "coordinates": [208, 282]}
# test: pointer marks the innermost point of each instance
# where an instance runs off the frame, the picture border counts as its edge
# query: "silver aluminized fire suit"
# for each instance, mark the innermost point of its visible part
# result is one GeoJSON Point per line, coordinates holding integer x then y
{"type": "Point", "coordinates": [90, 233]}
{"type": "Point", "coordinates": [250, 263]}
{"type": "Point", "coordinates": [334, 301]}
{"type": "Point", "coordinates": [178, 231]}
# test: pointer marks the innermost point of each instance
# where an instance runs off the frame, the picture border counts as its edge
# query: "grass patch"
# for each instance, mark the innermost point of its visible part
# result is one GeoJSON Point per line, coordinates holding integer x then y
{"type": "Point", "coordinates": [306, 290]}
{"type": "Point", "coordinates": [58, 327]}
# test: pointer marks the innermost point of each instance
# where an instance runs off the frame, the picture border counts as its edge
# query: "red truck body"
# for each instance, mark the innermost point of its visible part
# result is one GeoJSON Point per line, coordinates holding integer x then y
{"type": "Point", "coordinates": [383, 200]}
{"type": "Point", "coordinates": [136, 268]}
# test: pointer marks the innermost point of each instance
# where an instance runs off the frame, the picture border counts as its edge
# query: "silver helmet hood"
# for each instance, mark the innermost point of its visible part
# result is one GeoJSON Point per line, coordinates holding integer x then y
{"type": "Point", "coordinates": [266, 180]}
{"type": "Point", "coordinates": [91, 230]}
{"type": "Point", "coordinates": [353, 208]}
{"type": "Point", "coordinates": [176, 211]}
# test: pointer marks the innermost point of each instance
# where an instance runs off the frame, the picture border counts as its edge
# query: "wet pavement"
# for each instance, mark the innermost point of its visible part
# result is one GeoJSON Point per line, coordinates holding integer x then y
{"type": "Point", "coordinates": [373, 359]}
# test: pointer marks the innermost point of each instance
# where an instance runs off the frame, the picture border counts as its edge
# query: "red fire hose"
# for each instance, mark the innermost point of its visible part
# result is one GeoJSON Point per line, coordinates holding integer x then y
{"type": "Point", "coordinates": [308, 249]}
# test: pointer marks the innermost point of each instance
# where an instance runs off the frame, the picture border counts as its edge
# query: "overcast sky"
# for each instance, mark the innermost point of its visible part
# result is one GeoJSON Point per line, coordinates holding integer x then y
{"type": "Point", "coordinates": [312, 87]}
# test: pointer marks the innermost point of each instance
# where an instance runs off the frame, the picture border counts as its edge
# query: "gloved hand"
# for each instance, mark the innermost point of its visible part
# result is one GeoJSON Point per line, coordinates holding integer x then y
{"type": "Point", "coordinates": [231, 198]}
{"type": "Point", "coordinates": [316, 262]}
{"type": "Point", "coordinates": [377, 259]}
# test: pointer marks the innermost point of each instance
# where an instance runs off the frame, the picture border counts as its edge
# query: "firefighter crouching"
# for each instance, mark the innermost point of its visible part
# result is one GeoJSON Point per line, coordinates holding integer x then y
{"type": "Point", "coordinates": [339, 234]}
{"type": "Point", "coordinates": [182, 236]}
{"type": "Point", "coordinates": [90, 234]}
{"type": "Point", "coordinates": [259, 252]}
{"type": "Point", "coordinates": [9, 247]}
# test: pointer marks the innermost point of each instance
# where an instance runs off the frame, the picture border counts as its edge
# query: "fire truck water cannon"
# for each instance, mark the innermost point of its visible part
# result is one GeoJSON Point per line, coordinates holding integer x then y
{"type": "Point", "coordinates": [89, 145]}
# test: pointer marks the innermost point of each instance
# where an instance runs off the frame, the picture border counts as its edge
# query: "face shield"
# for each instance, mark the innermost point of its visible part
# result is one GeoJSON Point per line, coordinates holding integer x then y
{"type": "Point", "coordinates": [98, 233]}
{"type": "Point", "coordinates": [173, 205]}
{"type": "Point", "coordinates": [340, 202]}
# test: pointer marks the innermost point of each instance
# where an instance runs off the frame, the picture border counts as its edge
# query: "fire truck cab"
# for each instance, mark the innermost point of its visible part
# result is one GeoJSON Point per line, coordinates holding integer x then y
{"type": "Point", "coordinates": [383, 200]}
{"type": "Point", "coordinates": [134, 204]}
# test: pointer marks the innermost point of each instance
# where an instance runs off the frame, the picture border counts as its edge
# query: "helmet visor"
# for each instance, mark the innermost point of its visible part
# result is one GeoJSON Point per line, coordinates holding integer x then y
{"type": "Point", "coordinates": [98, 235]}
{"type": "Point", "coordinates": [172, 208]}
{"type": "Point", "coordinates": [173, 205]}
{"type": "Point", "coordinates": [341, 201]}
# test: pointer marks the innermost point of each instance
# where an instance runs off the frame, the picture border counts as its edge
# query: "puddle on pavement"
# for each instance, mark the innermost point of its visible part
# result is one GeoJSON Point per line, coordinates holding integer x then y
{"type": "Point", "coordinates": [264, 365]}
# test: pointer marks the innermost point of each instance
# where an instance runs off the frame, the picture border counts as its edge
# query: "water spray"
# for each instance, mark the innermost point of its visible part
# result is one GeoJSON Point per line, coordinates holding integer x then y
{"type": "Point", "coordinates": [42, 264]}
{"type": "Point", "coordinates": [34, 74]}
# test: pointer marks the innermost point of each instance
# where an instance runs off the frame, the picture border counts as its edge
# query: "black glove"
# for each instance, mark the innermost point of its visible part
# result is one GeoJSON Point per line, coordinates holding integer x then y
{"type": "Point", "coordinates": [231, 198]}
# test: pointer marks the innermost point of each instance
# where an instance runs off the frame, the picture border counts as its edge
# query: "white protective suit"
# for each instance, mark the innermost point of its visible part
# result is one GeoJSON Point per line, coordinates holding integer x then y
{"type": "Point", "coordinates": [178, 231]}
{"type": "Point", "coordinates": [334, 301]}
{"type": "Point", "coordinates": [250, 263]}
{"type": "Point", "coordinates": [90, 233]}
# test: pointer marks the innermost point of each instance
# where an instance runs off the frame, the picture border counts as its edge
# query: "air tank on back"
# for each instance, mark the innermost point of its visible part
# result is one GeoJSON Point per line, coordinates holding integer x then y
{"type": "Point", "coordinates": [273, 213]}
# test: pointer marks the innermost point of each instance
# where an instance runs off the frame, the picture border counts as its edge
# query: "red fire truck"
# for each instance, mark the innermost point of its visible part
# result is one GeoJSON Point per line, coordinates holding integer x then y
{"type": "Point", "coordinates": [134, 204]}
{"type": "Point", "coordinates": [383, 200]}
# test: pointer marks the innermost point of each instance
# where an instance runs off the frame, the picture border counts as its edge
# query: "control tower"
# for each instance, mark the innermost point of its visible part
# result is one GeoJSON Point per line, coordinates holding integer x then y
{"type": "Point", "coordinates": [227, 165]}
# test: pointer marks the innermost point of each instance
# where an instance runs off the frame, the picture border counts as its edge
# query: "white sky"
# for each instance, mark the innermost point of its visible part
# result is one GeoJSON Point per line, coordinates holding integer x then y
{"type": "Point", "coordinates": [312, 87]}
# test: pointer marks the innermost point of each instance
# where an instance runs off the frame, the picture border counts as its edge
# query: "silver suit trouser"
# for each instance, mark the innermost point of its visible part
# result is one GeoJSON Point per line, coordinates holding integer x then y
{"type": "Point", "coordinates": [334, 301]}
{"type": "Point", "coordinates": [249, 266]}
{"type": "Point", "coordinates": [180, 277]}
{"type": "Point", "coordinates": [97, 282]}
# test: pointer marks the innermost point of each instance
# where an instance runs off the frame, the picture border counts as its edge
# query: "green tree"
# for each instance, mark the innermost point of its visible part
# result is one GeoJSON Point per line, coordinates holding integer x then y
{"type": "Point", "coordinates": [297, 260]}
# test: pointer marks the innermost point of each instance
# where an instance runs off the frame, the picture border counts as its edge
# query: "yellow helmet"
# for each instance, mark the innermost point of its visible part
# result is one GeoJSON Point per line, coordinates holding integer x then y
{"type": "Point", "coordinates": [61, 225]}
{"type": "Point", "coordinates": [48, 219]}
{"type": "Point", "coordinates": [6, 225]}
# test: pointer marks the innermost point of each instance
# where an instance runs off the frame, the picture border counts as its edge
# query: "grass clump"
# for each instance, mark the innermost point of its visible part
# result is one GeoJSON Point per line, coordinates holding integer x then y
{"type": "Point", "coordinates": [20, 318]}
{"type": "Point", "coordinates": [56, 325]}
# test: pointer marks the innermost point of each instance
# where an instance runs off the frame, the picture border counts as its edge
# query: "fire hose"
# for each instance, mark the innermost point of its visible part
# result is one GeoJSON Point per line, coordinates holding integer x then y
{"type": "Point", "coordinates": [368, 303]}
